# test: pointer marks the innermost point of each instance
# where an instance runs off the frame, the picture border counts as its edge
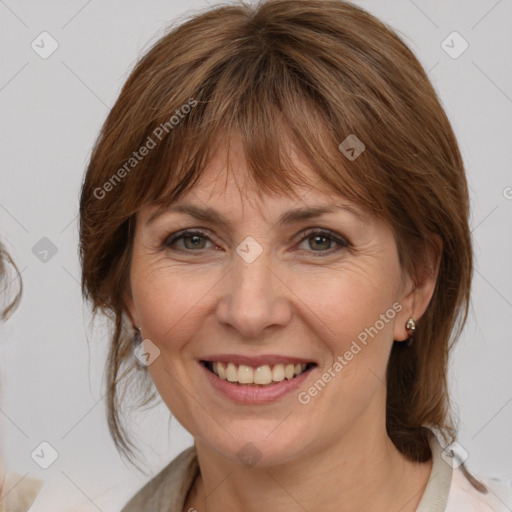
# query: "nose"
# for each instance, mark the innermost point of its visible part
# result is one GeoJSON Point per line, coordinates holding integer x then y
{"type": "Point", "coordinates": [254, 300]}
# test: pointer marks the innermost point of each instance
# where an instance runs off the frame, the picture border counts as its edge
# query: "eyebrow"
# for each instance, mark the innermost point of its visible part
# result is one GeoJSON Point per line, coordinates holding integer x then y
{"type": "Point", "coordinates": [207, 214]}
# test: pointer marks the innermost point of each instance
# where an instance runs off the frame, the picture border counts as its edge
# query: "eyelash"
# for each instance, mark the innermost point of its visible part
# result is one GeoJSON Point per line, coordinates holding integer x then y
{"type": "Point", "coordinates": [343, 243]}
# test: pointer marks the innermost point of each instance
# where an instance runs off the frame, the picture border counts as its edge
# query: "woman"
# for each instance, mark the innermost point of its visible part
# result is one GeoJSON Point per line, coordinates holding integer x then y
{"type": "Point", "coordinates": [275, 215]}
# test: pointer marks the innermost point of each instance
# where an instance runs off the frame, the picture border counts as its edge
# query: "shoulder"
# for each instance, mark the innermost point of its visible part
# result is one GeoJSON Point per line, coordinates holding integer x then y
{"type": "Point", "coordinates": [450, 487]}
{"type": "Point", "coordinates": [463, 496]}
{"type": "Point", "coordinates": [166, 492]}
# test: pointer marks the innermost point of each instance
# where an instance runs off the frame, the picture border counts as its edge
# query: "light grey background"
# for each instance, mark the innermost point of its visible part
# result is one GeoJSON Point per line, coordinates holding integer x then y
{"type": "Point", "coordinates": [52, 359]}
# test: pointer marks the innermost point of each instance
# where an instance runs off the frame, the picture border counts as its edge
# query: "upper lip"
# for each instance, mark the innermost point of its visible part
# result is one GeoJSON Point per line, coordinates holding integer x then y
{"type": "Point", "coordinates": [256, 361]}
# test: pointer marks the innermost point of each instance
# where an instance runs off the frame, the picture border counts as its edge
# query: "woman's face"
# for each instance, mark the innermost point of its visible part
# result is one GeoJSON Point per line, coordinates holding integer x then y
{"type": "Point", "coordinates": [262, 295]}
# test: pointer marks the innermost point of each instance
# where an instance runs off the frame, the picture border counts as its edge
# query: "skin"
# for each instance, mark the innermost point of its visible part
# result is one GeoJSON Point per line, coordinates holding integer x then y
{"type": "Point", "coordinates": [298, 298]}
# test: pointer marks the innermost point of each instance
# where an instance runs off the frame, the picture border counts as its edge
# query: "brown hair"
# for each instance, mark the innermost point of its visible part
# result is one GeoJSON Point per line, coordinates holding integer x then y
{"type": "Point", "coordinates": [308, 73]}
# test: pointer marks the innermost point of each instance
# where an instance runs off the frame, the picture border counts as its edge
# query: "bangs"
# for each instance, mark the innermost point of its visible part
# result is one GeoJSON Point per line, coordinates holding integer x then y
{"type": "Point", "coordinates": [280, 120]}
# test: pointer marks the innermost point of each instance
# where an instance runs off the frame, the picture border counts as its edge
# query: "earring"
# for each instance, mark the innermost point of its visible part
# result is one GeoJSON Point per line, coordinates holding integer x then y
{"type": "Point", "coordinates": [411, 327]}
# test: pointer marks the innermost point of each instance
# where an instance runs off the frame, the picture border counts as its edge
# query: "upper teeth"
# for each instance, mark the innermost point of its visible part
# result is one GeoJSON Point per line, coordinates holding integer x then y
{"type": "Point", "coordinates": [264, 374]}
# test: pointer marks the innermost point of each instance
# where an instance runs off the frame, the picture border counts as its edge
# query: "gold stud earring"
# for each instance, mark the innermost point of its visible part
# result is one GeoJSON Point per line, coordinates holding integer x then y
{"type": "Point", "coordinates": [411, 327]}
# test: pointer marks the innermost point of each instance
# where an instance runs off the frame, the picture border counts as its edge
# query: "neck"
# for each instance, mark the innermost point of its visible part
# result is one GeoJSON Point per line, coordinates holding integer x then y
{"type": "Point", "coordinates": [359, 472]}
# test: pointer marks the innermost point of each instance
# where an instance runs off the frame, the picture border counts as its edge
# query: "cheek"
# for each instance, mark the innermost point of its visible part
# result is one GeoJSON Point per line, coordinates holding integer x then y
{"type": "Point", "coordinates": [353, 313]}
{"type": "Point", "coordinates": [171, 311]}
{"type": "Point", "coordinates": [168, 301]}
{"type": "Point", "coordinates": [342, 305]}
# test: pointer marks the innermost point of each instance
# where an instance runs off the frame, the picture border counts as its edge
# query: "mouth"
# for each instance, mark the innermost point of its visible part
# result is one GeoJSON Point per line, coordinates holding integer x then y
{"type": "Point", "coordinates": [261, 376]}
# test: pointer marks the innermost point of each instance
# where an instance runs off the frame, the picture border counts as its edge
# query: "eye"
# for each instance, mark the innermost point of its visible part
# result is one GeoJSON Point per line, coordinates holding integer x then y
{"type": "Point", "coordinates": [195, 240]}
{"type": "Point", "coordinates": [322, 241]}
{"type": "Point", "coordinates": [192, 240]}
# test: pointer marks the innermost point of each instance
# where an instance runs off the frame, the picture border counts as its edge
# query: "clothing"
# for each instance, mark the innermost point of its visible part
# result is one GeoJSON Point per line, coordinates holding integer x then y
{"type": "Point", "coordinates": [448, 490]}
{"type": "Point", "coordinates": [18, 492]}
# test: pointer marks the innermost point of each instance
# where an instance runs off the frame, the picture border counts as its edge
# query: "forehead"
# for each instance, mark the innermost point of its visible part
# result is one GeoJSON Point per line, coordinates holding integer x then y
{"type": "Point", "coordinates": [227, 180]}
{"type": "Point", "coordinates": [231, 187]}
{"type": "Point", "coordinates": [226, 193]}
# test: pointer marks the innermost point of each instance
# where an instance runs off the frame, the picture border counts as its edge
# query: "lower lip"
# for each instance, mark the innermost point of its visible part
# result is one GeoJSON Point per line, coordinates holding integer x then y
{"type": "Point", "coordinates": [244, 394]}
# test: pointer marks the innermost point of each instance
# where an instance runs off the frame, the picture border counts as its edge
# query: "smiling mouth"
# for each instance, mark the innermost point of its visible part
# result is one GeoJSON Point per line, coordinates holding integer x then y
{"type": "Point", "coordinates": [261, 376]}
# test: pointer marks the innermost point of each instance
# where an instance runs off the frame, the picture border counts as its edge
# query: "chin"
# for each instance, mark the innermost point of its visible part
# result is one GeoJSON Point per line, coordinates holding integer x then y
{"type": "Point", "coordinates": [264, 445]}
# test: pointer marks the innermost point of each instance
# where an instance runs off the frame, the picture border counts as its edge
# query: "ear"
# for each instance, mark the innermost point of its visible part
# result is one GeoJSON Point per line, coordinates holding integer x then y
{"type": "Point", "coordinates": [418, 293]}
